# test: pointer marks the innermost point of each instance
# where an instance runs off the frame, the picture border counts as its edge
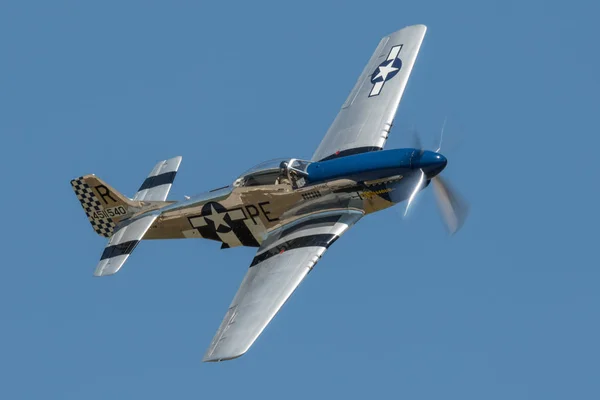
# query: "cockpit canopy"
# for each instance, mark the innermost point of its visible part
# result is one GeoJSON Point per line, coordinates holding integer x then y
{"type": "Point", "coordinates": [273, 172]}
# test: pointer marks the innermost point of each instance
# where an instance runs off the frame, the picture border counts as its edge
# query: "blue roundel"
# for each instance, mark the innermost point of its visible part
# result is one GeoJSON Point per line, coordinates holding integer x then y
{"type": "Point", "coordinates": [386, 70]}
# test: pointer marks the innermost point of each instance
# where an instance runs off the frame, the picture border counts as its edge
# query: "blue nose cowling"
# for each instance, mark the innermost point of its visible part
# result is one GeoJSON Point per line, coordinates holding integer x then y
{"type": "Point", "coordinates": [431, 163]}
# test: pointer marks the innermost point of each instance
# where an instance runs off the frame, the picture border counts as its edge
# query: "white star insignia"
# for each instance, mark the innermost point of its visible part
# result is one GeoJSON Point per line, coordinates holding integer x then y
{"type": "Point", "coordinates": [385, 70]}
{"type": "Point", "coordinates": [217, 218]}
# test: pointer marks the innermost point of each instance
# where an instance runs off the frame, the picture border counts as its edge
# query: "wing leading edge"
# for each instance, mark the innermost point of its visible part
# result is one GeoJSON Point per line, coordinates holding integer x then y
{"type": "Point", "coordinates": [365, 120]}
{"type": "Point", "coordinates": [281, 263]}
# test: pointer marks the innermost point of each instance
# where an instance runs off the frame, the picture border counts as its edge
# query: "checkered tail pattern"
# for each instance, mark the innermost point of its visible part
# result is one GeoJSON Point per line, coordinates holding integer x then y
{"type": "Point", "coordinates": [91, 205]}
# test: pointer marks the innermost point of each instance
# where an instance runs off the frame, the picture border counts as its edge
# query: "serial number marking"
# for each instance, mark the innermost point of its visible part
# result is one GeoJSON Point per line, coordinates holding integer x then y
{"type": "Point", "coordinates": [110, 213]}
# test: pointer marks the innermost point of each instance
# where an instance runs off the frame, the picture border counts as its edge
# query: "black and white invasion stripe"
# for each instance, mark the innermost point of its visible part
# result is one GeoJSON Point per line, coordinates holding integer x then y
{"type": "Point", "coordinates": [154, 181]}
{"type": "Point", "coordinates": [124, 240]}
{"type": "Point", "coordinates": [313, 231]}
{"type": "Point", "coordinates": [157, 185]}
{"type": "Point", "coordinates": [319, 240]}
{"type": "Point", "coordinates": [119, 249]}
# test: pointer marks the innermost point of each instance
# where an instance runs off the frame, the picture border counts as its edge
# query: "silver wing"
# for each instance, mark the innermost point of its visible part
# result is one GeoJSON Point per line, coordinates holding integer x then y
{"type": "Point", "coordinates": [285, 257]}
{"type": "Point", "coordinates": [365, 120]}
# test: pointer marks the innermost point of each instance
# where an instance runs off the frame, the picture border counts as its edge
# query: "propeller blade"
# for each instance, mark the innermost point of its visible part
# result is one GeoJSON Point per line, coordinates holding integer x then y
{"type": "Point", "coordinates": [453, 208]}
{"type": "Point", "coordinates": [417, 189]}
{"type": "Point", "coordinates": [416, 139]}
{"type": "Point", "coordinates": [442, 135]}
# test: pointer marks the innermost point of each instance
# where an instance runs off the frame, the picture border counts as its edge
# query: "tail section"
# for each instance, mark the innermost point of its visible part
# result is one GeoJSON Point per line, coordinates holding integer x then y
{"type": "Point", "coordinates": [122, 244]}
{"type": "Point", "coordinates": [125, 221]}
{"type": "Point", "coordinates": [103, 205]}
{"type": "Point", "coordinates": [158, 184]}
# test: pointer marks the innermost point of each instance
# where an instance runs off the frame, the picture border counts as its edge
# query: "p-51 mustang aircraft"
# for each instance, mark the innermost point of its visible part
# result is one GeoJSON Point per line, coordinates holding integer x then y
{"type": "Point", "coordinates": [291, 209]}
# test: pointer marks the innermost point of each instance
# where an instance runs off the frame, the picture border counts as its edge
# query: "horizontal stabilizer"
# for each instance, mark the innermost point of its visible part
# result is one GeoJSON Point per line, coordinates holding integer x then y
{"type": "Point", "coordinates": [158, 184]}
{"type": "Point", "coordinates": [122, 243]}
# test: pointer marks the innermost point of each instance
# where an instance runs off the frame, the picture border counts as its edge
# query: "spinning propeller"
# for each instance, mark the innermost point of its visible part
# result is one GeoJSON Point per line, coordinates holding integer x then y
{"type": "Point", "coordinates": [453, 208]}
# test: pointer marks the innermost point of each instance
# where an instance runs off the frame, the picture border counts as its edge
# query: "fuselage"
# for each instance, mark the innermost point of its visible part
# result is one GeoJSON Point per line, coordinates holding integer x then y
{"type": "Point", "coordinates": [259, 201]}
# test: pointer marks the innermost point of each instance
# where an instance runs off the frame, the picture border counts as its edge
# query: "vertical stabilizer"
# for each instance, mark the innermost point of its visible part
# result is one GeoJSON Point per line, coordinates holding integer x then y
{"type": "Point", "coordinates": [104, 206]}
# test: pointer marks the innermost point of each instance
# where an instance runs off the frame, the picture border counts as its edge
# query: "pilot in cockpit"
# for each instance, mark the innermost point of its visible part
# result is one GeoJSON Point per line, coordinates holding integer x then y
{"type": "Point", "coordinates": [283, 179]}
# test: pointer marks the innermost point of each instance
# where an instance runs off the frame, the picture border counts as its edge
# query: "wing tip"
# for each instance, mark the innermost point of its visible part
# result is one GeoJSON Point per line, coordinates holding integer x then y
{"type": "Point", "coordinates": [102, 271]}
{"type": "Point", "coordinates": [110, 266]}
{"type": "Point", "coordinates": [213, 358]}
{"type": "Point", "coordinates": [176, 159]}
{"type": "Point", "coordinates": [417, 27]}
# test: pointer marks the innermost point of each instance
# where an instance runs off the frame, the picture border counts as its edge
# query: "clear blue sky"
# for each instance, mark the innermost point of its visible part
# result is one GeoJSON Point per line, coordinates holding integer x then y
{"type": "Point", "coordinates": [508, 308]}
